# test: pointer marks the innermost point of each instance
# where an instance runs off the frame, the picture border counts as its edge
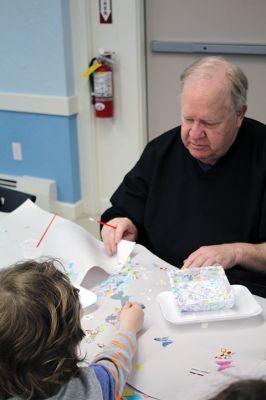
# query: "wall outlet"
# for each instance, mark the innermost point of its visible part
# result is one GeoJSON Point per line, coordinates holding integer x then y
{"type": "Point", "coordinates": [17, 151]}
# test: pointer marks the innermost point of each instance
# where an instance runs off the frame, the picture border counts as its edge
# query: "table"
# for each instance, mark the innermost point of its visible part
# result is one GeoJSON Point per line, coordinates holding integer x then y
{"type": "Point", "coordinates": [172, 361]}
{"type": "Point", "coordinates": [2, 215]}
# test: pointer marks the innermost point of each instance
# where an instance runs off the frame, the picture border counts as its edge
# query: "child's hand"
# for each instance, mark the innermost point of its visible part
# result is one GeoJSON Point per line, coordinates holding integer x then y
{"type": "Point", "coordinates": [131, 317]}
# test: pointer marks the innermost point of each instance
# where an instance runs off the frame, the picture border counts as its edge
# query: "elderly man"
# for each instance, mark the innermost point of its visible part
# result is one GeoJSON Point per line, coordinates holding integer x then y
{"type": "Point", "coordinates": [197, 195]}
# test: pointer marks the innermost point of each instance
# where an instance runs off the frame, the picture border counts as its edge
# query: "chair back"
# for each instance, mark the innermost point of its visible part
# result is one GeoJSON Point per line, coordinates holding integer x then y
{"type": "Point", "coordinates": [10, 199]}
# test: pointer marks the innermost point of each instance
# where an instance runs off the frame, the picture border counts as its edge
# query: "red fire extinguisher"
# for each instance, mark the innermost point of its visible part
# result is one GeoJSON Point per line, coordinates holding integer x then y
{"type": "Point", "coordinates": [101, 81]}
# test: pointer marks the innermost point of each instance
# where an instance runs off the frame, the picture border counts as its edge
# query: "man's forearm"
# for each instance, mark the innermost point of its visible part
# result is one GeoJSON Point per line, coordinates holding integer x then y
{"type": "Point", "coordinates": [251, 256]}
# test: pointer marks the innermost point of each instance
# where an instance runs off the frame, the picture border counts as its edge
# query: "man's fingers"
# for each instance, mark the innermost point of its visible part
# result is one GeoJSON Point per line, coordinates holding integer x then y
{"type": "Point", "coordinates": [108, 236]}
{"type": "Point", "coordinates": [122, 228]}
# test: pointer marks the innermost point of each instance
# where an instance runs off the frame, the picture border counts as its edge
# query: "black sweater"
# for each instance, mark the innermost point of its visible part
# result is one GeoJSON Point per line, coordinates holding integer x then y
{"type": "Point", "coordinates": [178, 206]}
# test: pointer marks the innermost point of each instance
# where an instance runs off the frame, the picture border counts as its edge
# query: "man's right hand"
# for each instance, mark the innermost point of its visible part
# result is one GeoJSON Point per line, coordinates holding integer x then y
{"type": "Point", "coordinates": [124, 229]}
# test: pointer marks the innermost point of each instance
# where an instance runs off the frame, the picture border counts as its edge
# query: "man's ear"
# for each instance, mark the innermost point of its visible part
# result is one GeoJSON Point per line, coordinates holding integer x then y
{"type": "Point", "coordinates": [240, 114]}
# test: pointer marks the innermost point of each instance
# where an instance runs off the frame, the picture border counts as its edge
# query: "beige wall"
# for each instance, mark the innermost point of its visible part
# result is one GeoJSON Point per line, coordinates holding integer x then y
{"type": "Point", "coordinates": [238, 21]}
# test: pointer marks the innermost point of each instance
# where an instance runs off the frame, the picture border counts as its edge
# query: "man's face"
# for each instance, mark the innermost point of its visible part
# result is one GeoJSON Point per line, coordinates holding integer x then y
{"type": "Point", "coordinates": [209, 122]}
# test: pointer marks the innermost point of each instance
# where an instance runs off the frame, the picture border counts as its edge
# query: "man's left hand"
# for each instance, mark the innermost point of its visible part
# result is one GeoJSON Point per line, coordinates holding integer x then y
{"type": "Point", "coordinates": [223, 254]}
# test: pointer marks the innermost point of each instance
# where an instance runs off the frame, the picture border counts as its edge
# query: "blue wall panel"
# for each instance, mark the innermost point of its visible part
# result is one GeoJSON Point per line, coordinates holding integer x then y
{"type": "Point", "coordinates": [49, 148]}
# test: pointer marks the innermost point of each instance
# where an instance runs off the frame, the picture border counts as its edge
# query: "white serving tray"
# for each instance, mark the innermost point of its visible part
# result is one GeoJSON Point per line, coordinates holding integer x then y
{"type": "Point", "coordinates": [245, 306]}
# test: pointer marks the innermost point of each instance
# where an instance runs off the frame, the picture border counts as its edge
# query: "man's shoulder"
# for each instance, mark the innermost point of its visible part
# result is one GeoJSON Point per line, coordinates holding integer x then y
{"type": "Point", "coordinates": [164, 148]}
{"type": "Point", "coordinates": [254, 134]}
{"type": "Point", "coordinates": [255, 125]}
{"type": "Point", "coordinates": [167, 137]}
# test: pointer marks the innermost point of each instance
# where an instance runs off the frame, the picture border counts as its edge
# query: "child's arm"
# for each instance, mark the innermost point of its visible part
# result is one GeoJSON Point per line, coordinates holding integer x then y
{"type": "Point", "coordinates": [114, 363]}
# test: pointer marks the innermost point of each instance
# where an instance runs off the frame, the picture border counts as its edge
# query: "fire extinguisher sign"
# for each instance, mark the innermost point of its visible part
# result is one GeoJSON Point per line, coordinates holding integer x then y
{"type": "Point", "coordinates": [105, 11]}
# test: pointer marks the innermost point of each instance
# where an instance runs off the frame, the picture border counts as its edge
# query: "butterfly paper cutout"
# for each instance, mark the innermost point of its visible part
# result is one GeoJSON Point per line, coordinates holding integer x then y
{"type": "Point", "coordinates": [120, 296]}
{"type": "Point", "coordinates": [164, 340]}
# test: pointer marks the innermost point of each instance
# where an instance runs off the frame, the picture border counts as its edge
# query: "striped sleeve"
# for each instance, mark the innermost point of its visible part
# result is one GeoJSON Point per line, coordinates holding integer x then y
{"type": "Point", "coordinates": [117, 358]}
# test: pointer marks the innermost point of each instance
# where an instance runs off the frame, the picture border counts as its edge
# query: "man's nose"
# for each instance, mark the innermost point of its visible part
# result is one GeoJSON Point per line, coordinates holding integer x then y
{"type": "Point", "coordinates": [196, 131]}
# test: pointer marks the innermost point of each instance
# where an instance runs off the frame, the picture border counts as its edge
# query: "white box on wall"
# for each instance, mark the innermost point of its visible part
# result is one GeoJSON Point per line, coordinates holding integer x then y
{"type": "Point", "coordinates": [43, 189]}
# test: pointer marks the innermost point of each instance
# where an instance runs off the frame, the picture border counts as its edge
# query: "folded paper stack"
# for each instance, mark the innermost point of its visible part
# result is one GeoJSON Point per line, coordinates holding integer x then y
{"type": "Point", "coordinates": [201, 289]}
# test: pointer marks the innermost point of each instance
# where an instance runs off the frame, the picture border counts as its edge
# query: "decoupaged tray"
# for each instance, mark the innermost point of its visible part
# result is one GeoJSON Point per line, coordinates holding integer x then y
{"type": "Point", "coordinates": [245, 306]}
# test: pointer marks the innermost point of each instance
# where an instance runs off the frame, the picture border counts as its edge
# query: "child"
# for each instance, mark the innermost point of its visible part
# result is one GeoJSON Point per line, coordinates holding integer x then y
{"type": "Point", "coordinates": [246, 389]}
{"type": "Point", "coordinates": [40, 332]}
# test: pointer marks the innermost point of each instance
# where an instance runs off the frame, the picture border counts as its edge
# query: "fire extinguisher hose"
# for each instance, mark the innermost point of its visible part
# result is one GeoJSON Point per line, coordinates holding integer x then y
{"type": "Point", "coordinates": [91, 81]}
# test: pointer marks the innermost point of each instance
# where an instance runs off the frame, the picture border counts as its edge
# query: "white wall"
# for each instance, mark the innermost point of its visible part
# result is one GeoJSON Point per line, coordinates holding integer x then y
{"type": "Point", "coordinates": [109, 148]}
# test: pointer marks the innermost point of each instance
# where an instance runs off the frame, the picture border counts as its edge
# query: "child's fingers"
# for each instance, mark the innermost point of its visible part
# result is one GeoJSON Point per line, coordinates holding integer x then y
{"type": "Point", "coordinates": [129, 304]}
